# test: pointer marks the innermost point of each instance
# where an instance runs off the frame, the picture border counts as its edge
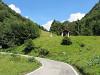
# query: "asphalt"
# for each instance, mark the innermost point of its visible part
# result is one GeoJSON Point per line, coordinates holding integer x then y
{"type": "Point", "coordinates": [50, 67]}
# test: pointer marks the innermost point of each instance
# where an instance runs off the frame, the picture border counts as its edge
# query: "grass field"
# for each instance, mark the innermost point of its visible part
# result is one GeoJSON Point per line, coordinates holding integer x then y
{"type": "Point", "coordinates": [17, 65]}
{"type": "Point", "coordinates": [86, 59]}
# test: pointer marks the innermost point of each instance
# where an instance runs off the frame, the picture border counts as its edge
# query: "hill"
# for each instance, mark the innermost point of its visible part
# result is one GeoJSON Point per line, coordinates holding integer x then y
{"type": "Point", "coordinates": [83, 53]}
{"type": "Point", "coordinates": [88, 26]}
{"type": "Point", "coordinates": [85, 59]}
{"type": "Point", "coordinates": [15, 29]}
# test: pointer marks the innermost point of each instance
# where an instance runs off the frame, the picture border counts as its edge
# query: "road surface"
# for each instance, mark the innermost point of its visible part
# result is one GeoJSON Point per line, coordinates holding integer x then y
{"type": "Point", "coordinates": [50, 67]}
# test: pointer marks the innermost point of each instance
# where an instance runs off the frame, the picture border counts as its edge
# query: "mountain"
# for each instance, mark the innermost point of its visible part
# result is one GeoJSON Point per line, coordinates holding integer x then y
{"type": "Point", "coordinates": [87, 26]}
{"type": "Point", "coordinates": [92, 21]}
{"type": "Point", "coordinates": [15, 29]}
{"type": "Point", "coordinates": [94, 11]}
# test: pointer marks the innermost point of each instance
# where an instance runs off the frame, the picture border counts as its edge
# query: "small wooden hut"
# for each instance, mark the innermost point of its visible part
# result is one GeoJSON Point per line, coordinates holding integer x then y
{"type": "Point", "coordinates": [65, 32]}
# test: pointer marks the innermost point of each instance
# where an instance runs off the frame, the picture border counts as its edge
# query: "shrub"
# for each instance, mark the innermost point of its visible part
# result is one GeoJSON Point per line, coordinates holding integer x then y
{"type": "Point", "coordinates": [31, 60]}
{"type": "Point", "coordinates": [29, 46]}
{"type": "Point", "coordinates": [82, 44]}
{"type": "Point", "coordinates": [43, 52]}
{"type": "Point", "coordinates": [66, 41]}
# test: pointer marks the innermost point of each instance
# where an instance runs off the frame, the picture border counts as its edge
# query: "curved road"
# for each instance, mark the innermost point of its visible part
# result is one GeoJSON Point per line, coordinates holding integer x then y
{"type": "Point", "coordinates": [50, 67]}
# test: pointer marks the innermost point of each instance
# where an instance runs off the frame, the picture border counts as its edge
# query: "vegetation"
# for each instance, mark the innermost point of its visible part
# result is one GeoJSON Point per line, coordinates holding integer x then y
{"type": "Point", "coordinates": [56, 27]}
{"type": "Point", "coordinates": [14, 28]}
{"type": "Point", "coordinates": [43, 52]}
{"type": "Point", "coordinates": [66, 41]}
{"type": "Point", "coordinates": [83, 53]}
{"type": "Point", "coordinates": [42, 28]}
{"type": "Point", "coordinates": [88, 26]}
{"type": "Point", "coordinates": [17, 65]}
{"type": "Point", "coordinates": [29, 46]}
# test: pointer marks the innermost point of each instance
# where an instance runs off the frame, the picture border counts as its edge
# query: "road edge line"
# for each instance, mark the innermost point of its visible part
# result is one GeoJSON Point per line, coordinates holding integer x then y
{"type": "Point", "coordinates": [36, 69]}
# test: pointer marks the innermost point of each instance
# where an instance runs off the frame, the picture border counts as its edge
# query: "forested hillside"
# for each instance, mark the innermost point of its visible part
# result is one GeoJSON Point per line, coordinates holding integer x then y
{"type": "Point", "coordinates": [88, 26]}
{"type": "Point", "coordinates": [56, 27]}
{"type": "Point", "coordinates": [14, 28]}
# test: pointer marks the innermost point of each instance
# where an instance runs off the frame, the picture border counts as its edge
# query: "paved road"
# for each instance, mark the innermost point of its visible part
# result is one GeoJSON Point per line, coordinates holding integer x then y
{"type": "Point", "coordinates": [50, 67]}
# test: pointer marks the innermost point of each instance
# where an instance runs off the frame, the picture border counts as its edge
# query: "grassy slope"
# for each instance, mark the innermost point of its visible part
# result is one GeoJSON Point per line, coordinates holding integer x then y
{"type": "Point", "coordinates": [16, 65]}
{"type": "Point", "coordinates": [87, 59]}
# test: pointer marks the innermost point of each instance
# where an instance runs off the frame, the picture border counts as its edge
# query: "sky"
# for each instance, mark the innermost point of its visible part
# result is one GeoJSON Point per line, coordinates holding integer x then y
{"type": "Point", "coordinates": [43, 12]}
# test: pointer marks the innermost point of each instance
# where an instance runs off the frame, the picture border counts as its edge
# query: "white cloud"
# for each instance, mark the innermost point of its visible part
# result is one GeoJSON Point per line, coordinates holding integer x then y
{"type": "Point", "coordinates": [76, 16]}
{"type": "Point", "coordinates": [63, 21]}
{"type": "Point", "coordinates": [16, 9]}
{"type": "Point", "coordinates": [47, 25]}
{"type": "Point", "coordinates": [26, 16]}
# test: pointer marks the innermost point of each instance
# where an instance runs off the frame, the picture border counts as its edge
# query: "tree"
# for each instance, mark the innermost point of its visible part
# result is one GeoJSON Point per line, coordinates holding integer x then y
{"type": "Point", "coordinates": [14, 28]}
{"type": "Point", "coordinates": [56, 27]}
{"type": "Point", "coordinates": [29, 46]}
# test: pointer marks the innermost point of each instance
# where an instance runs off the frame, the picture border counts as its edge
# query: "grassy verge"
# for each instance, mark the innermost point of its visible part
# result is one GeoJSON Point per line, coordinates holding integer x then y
{"type": "Point", "coordinates": [17, 65]}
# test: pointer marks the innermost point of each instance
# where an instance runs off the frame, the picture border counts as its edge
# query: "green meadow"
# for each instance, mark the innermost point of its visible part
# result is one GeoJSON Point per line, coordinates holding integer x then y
{"type": "Point", "coordinates": [85, 58]}
{"type": "Point", "coordinates": [83, 54]}
{"type": "Point", "coordinates": [17, 65]}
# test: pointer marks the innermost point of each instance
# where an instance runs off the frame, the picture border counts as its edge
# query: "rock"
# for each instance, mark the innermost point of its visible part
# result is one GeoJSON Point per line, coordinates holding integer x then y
{"type": "Point", "coordinates": [64, 53]}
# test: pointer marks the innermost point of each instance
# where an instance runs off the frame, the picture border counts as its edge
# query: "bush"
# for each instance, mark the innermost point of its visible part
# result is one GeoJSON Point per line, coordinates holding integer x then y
{"type": "Point", "coordinates": [43, 52]}
{"type": "Point", "coordinates": [30, 60]}
{"type": "Point", "coordinates": [66, 41]}
{"type": "Point", "coordinates": [82, 44]}
{"type": "Point", "coordinates": [29, 46]}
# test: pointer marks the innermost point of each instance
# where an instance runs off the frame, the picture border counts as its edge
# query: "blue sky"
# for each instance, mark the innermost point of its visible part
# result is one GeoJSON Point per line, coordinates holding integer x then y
{"type": "Point", "coordinates": [44, 11]}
